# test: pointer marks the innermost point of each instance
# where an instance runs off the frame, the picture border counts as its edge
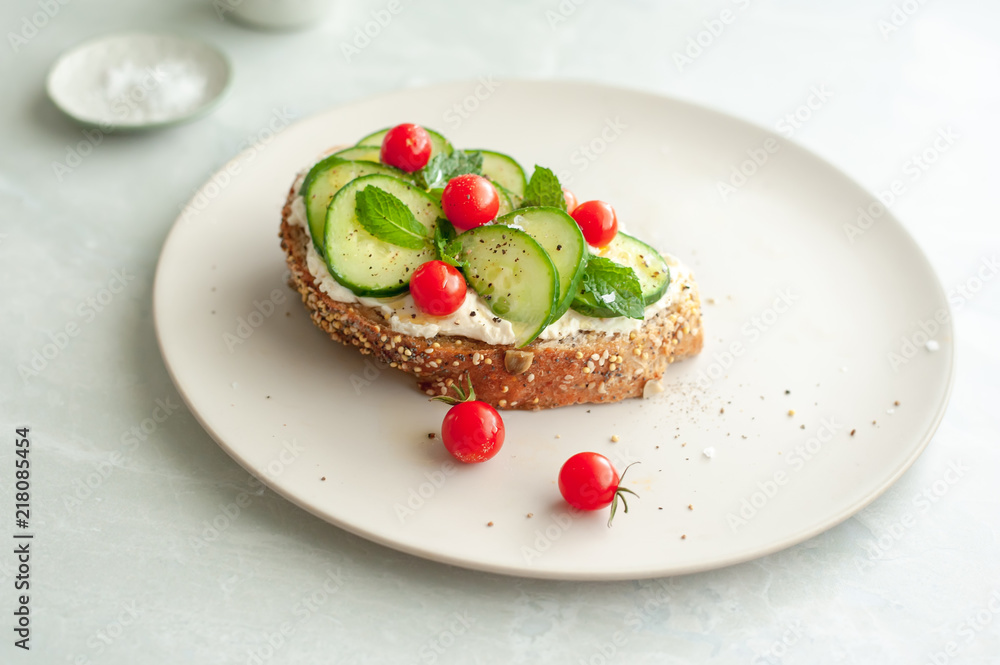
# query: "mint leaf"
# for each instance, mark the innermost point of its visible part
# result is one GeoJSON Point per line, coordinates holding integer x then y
{"type": "Point", "coordinates": [388, 219]}
{"type": "Point", "coordinates": [447, 245]}
{"type": "Point", "coordinates": [608, 290]}
{"type": "Point", "coordinates": [543, 190]}
{"type": "Point", "coordinates": [442, 168]}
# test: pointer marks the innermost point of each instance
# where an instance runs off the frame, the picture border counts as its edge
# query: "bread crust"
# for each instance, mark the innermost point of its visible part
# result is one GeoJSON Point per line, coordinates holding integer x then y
{"type": "Point", "coordinates": [589, 367]}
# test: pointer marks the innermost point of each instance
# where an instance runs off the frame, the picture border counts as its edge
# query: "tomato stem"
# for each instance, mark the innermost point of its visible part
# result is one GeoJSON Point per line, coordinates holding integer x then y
{"type": "Point", "coordinates": [620, 495]}
{"type": "Point", "coordinates": [463, 396]}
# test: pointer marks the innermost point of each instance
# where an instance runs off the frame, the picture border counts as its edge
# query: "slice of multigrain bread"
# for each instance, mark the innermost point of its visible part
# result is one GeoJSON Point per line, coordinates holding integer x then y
{"type": "Point", "coordinates": [586, 367]}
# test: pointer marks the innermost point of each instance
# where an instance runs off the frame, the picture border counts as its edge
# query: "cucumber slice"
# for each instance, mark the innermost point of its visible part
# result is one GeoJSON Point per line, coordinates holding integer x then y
{"type": "Point", "coordinates": [506, 205]}
{"type": "Point", "coordinates": [325, 179]}
{"type": "Point", "coordinates": [503, 170]}
{"type": "Point", "coordinates": [515, 200]}
{"type": "Point", "coordinates": [360, 261]}
{"type": "Point", "coordinates": [562, 240]}
{"type": "Point", "coordinates": [361, 153]}
{"type": "Point", "coordinates": [648, 264]}
{"type": "Point", "coordinates": [514, 275]}
{"type": "Point", "coordinates": [439, 144]}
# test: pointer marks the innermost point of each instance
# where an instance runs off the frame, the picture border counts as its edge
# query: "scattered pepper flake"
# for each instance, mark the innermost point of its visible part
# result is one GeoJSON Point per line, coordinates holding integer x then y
{"type": "Point", "coordinates": [489, 524]}
{"type": "Point", "coordinates": [853, 431]}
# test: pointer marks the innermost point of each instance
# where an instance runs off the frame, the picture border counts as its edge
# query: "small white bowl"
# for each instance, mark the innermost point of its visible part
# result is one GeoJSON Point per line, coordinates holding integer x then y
{"type": "Point", "coordinates": [137, 81]}
{"type": "Point", "coordinates": [277, 14]}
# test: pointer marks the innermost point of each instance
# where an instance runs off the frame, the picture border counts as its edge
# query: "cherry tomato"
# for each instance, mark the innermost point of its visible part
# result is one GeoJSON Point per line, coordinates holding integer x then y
{"type": "Point", "coordinates": [588, 481]}
{"type": "Point", "coordinates": [472, 432]}
{"type": "Point", "coordinates": [437, 288]}
{"type": "Point", "coordinates": [407, 147]}
{"type": "Point", "coordinates": [469, 201]}
{"type": "Point", "coordinates": [570, 200]}
{"type": "Point", "coordinates": [598, 222]}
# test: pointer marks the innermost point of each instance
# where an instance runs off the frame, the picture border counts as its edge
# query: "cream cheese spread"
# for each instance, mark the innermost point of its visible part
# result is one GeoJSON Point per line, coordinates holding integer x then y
{"type": "Point", "coordinates": [473, 318]}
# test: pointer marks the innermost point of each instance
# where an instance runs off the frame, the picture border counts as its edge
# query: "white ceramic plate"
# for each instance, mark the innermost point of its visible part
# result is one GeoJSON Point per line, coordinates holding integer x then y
{"type": "Point", "coordinates": [138, 80]}
{"type": "Point", "coordinates": [811, 312]}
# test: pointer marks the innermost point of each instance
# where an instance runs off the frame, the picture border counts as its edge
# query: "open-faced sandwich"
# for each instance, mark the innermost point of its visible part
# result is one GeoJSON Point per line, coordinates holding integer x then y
{"type": "Point", "coordinates": [445, 263]}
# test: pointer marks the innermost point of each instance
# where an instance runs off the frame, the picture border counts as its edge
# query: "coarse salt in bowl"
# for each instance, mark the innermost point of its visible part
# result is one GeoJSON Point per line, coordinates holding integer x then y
{"type": "Point", "coordinates": [138, 80]}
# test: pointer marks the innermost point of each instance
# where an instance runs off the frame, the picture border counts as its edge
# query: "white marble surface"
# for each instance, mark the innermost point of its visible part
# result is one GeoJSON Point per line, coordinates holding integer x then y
{"type": "Point", "coordinates": [123, 571]}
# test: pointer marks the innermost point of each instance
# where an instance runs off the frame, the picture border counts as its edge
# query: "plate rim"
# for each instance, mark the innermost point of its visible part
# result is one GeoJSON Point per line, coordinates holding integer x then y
{"type": "Point", "coordinates": [527, 573]}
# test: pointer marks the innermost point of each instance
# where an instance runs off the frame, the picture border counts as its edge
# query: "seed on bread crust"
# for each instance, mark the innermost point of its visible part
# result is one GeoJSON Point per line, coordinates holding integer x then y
{"type": "Point", "coordinates": [672, 334]}
{"type": "Point", "coordinates": [517, 361]}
